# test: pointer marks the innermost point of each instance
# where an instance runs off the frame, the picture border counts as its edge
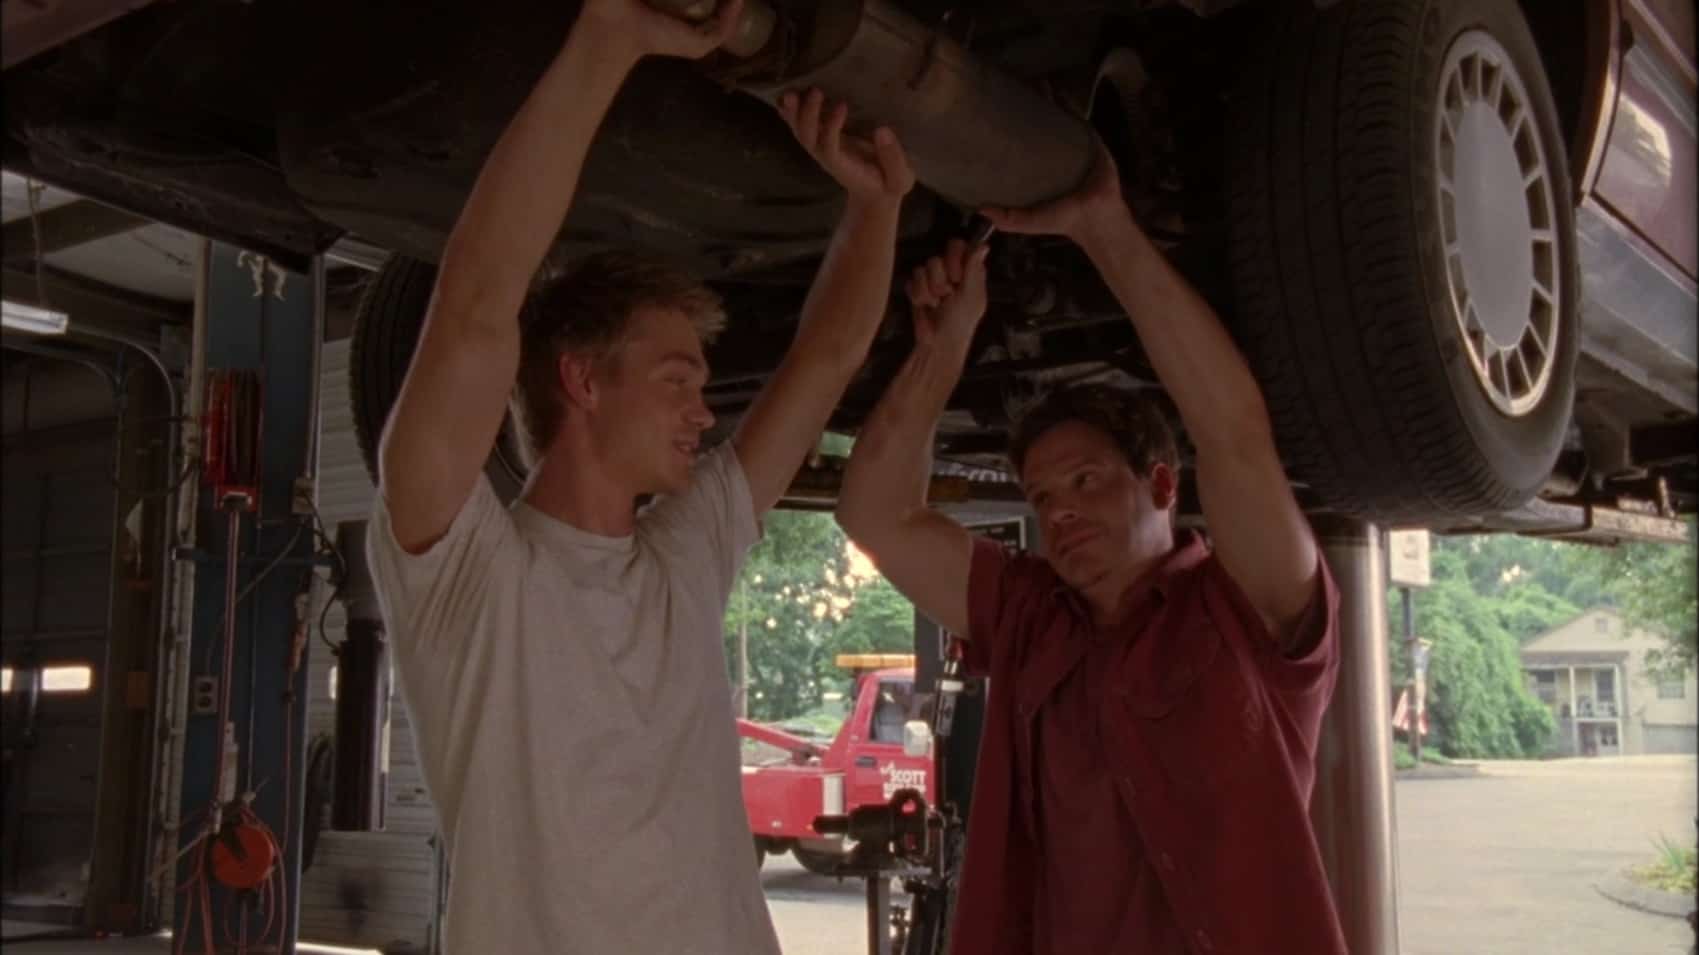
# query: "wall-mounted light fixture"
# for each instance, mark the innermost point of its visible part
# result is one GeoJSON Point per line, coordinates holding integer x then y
{"type": "Point", "coordinates": [19, 317]}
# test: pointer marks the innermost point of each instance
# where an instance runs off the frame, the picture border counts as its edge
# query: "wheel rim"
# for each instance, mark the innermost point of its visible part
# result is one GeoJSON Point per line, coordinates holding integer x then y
{"type": "Point", "coordinates": [1497, 221]}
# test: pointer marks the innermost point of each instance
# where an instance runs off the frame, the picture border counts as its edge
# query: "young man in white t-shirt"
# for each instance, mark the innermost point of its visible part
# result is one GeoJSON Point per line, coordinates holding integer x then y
{"type": "Point", "coordinates": [562, 660]}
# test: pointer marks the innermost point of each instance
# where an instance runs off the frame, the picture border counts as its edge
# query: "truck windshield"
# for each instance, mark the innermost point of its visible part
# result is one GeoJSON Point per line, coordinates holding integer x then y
{"type": "Point", "coordinates": [897, 704]}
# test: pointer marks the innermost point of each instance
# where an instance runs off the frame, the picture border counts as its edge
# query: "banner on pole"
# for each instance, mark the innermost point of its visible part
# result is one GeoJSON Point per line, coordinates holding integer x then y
{"type": "Point", "coordinates": [1401, 714]}
{"type": "Point", "coordinates": [1424, 649]}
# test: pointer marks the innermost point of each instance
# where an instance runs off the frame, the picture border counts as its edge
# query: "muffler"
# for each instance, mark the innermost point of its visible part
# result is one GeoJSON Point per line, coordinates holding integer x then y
{"type": "Point", "coordinates": [975, 135]}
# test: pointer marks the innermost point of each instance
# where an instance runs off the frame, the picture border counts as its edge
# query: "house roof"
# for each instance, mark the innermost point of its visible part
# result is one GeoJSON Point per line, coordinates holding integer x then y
{"type": "Point", "coordinates": [1598, 633]}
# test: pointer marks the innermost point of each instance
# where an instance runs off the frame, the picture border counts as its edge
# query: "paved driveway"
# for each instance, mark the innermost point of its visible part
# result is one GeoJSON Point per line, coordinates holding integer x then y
{"type": "Point", "coordinates": [1506, 863]}
{"type": "Point", "coordinates": [815, 915]}
{"type": "Point", "coordinates": [1499, 864]}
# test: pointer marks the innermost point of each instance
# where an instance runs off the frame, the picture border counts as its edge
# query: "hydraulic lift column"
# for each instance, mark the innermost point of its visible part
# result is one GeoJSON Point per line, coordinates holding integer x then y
{"type": "Point", "coordinates": [362, 693]}
{"type": "Point", "coordinates": [1352, 808]}
{"type": "Point", "coordinates": [263, 322]}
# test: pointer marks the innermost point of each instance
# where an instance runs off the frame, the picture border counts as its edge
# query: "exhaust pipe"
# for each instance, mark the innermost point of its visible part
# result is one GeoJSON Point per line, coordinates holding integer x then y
{"type": "Point", "coordinates": [974, 134]}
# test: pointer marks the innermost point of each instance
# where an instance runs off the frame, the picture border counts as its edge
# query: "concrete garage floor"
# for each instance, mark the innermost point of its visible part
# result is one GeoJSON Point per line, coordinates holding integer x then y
{"type": "Point", "coordinates": [814, 914]}
{"type": "Point", "coordinates": [1503, 863]}
{"type": "Point", "coordinates": [14, 932]}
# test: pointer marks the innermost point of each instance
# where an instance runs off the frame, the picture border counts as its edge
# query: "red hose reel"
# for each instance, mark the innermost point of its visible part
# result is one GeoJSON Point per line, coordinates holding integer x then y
{"type": "Point", "coordinates": [230, 438]}
{"type": "Point", "coordinates": [243, 855]}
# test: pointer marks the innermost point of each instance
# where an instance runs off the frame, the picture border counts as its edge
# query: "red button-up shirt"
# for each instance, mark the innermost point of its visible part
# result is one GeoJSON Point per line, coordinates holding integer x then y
{"type": "Point", "coordinates": [1144, 788]}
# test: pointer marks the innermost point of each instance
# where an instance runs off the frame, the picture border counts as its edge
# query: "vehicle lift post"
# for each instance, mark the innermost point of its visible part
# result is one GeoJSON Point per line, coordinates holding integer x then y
{"type": "Point", "coordinates": [265, 319]}
{"type": "Point", "coordinates": [1352, 807]}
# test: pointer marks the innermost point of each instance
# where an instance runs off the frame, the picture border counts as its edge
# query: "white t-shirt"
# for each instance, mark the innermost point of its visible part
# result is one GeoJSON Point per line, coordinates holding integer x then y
{"type": "Point", "coordinates": [574, 722]}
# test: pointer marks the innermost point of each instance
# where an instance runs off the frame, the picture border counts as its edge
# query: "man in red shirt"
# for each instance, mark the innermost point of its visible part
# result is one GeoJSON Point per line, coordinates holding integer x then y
{"type": "Point", "coordinates": [1149, 744]}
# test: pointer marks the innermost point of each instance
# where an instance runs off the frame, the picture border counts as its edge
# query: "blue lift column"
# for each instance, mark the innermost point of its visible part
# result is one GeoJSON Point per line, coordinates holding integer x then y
{"type": "Point", "coordinates": [265, 320]}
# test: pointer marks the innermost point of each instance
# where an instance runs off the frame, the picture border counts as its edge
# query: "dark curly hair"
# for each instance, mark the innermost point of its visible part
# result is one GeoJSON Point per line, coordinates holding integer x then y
{"type": "Point", "coordinates": [1135, 422]}
{"type": "Point", "coordinates": [587, 309]}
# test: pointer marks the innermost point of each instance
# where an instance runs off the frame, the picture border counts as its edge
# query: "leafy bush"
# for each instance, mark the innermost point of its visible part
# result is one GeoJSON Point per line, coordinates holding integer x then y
{"type": "Point", "coordinates": [1479, 704]}
{"type": "Point", "coordinates": [804, 599]}
{"type": "Point", "coordinates": [1674, 869]}
{"type": "Point", "coordinates": [1401, 758]}
{"type": "Point", "coordinates": [1492, 593]}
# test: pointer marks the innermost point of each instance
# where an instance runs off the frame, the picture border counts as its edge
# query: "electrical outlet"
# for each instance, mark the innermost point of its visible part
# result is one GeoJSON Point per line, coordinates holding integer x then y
{"type": "Point", "coordinates": [301, 497]}
{"type": "Point", "coordinates": [203, 698]}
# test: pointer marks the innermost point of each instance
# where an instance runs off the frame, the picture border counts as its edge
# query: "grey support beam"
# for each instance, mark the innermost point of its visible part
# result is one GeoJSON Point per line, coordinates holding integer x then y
{"type": "Point", "coordinates": [65, 227]}
{"type": "Point", "coordinates": [1352, 808]}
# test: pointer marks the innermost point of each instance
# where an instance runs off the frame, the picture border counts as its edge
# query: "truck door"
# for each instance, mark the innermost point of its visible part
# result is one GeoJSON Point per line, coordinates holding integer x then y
{"type": "Point", "coordinates": [878, 767]}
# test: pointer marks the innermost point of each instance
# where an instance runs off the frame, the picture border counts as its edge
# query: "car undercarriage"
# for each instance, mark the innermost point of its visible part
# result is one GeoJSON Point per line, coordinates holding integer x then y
{"type": "Point", "coordinates": [257, 124]}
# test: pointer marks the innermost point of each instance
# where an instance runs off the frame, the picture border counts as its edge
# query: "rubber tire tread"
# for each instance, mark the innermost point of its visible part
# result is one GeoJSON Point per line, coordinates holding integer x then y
{"type": "Point", "coordinates": [819, 863]}
{"type": "Point", "coordinates": [387, 323]}
{"type": "Point", "coordinates": [1334, 310]}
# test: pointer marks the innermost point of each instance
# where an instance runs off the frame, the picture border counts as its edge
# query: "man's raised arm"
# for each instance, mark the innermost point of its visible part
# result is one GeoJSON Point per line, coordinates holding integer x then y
{"type": "Point", "coordinates": [844, 306]}
{"type": "Point", "coordinates": [882, 506]}
{"type": "Point", "coordinates": [452, 401]}
{"type": "Point", "coordinates": [1260, 536]}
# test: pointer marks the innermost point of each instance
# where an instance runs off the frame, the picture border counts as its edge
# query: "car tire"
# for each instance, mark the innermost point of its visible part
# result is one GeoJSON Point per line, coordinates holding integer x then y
{"type": "Point", "coordinates": [321, 770]}
{"type": "Point", "coordinates": [387, 323]}
{"type": "Point", "coordinates": [819, 863]}
{"type": "Point", "coordinates": [1413, 323]}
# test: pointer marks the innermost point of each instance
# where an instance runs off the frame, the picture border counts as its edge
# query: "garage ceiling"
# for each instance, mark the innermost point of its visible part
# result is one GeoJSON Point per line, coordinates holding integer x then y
{"type": "Point", "coordinates": [98, 243]}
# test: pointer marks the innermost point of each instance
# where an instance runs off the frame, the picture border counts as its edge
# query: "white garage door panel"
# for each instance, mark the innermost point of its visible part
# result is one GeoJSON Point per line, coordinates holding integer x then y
{"type": "Point", "coordinates": [373, 889]}
{"type": "Point", "coordinates": [368, 888]}
{"type": "Point", "coordinates": [1666, 738]}
{"type": "Point", "coordinates": [57, 567]}
{"type": "Point", "coordinates": [345, 492]}
{"type": "Point", "coordinates": [385, 851]}
{"type": "Point", "coordinates": [389, 933]}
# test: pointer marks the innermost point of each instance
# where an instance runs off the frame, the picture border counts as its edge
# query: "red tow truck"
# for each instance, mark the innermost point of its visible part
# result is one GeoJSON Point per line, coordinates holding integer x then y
{"type": "Point", "coordinates": [789, 779]}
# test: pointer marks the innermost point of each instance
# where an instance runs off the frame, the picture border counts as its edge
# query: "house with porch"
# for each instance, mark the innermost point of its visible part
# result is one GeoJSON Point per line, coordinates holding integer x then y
{"type": "Point", "coordinates": [1593, 674]}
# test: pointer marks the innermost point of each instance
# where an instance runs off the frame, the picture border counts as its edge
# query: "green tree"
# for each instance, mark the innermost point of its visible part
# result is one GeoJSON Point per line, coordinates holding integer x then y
{"type": "Point", "coordinates": [1574, 575]}
{"type": "Point", "coordinates": [881, 620]}
{"type": "Point", "coordinates": [1549, 582]}
{"type": "Point", "coordinates": [1493, 593]}
{"type": "Point", "coordinates": [1478, 702]}
{"type": "Point", "coordinates": [1526, 610]}
{"type": "Point", "coordinates": [804, 599]}
{"type": "Point", "coordinates": [792, 594]}
{"type": "Point", "coordinates": [1654, 586]}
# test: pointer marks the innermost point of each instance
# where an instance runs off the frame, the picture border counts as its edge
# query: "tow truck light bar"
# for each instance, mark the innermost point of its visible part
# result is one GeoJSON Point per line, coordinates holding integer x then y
{"type": "Point", "coordinates": [875, 661]}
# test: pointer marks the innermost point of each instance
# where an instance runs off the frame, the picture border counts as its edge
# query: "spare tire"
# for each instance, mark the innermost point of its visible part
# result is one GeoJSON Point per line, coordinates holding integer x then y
{"type": "Point", "coordinates": [321, 773]}
{"type": "Point", "coordinates": [386, 331]}
{"type": "Point", "coordinates": [1404, 254]}
{"type": "Point", "coordinates": [820, 862]}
